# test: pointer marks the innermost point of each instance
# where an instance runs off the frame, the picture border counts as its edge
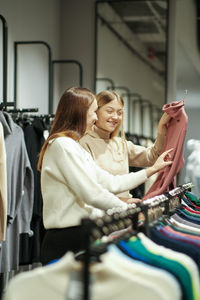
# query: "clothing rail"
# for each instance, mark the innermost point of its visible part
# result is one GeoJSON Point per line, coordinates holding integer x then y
{"type": "Point", "coordinates": [5, 104]}
{"type": "Point", "coordinates": [174, 192]}
{"type": "Point", "coordinates": [100, 227]}
{"type": "Point", "coordinates": [22, 110]}
{"type": "Point", "coordinates": [69, 61]}
{"type": "Point", "coordinates": [147, 103]}
{"type": "Point", "coordinates": [108, 80]}
{"type": "Point", "coordinates": [117, 219]}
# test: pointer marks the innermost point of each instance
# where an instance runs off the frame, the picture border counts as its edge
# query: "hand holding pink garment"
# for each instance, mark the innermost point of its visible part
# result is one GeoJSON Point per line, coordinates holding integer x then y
{"type": "Point", "coordinates": [176, 131]}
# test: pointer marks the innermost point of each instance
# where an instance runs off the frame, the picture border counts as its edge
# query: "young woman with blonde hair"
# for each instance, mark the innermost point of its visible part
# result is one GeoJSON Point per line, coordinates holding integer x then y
{"type": "Point", "coordinates": [112, 152]}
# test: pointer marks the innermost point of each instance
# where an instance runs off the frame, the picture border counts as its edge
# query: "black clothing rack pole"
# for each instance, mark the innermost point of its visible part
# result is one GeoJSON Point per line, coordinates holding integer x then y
{"type": "Point", "coordinates": [23, 110]}
{"type": "Point", "coordinates": [87, 225]}
{"type": "Point", "coordinates": [158, 110]}
{"type": "Point", "coordinates": [130, 94]}
{"type": "Point", "coordinates": [5, 57]}
{"type": "Point", "coordinates": [142, 102]}
{"type": "Point", "coordinates": [137, 99]}
{"type": "Point", "coordinates": [148, 103]}
{"type": "Point", "coordinates": [101, 225]}
{"type": "Point", "coordinates": [108, 80]}
{"type": "Point", "coordinates": [4, 105]}
{"type": "Point", "coordinates": [70, 61]}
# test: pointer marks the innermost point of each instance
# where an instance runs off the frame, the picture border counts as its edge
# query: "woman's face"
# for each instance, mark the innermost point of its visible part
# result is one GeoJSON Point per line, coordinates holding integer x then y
{"type": "Point", "coordinates": [92, 115]}
{"type": "Point", "coordinates": [110, 116]}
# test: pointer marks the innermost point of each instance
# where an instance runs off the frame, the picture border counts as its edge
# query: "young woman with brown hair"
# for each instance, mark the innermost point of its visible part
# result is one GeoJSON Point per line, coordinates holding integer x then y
{"type": "Point", "coordinates": [73, 186]}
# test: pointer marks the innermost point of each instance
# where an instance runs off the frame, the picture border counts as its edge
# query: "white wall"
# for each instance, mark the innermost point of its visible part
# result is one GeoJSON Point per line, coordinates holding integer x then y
{"type": "Point", "coordinates": [68, 27]}
{"type": "Point", "coordinates": [187, 53]}
{"type": "Point", "coordinates": [30, 20]}
{"type": "Point", "coordinates": [77, 42]}
{"type": "Point", "coordinates": [117, 62]}
{"type": "Point", "coordinates": [187, 69]}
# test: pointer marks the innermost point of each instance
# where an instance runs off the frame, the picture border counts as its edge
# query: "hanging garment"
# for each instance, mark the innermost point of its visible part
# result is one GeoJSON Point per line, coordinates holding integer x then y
{"type": "Point", "coordinates": [3, 186]}
{"type": "Point", "coordinates": [34, 139]}
{"type": "Point", "coordinates": [178, 237]}
{"type": "Point", "coordinates": [194, 239]}
{"type": "Point", "coordinates": [183, 224]}
{"type": "Point", "coordinates": [114, 278]}
{"type": "Point", "coordinates": [175, 267]}
{"type": "Point", "coordinates": [192, 197]}
{"type": "Point", "coordinates": [185, 260]}
{"type": "Point", "coordinates": [194, 222]}
{"type": "Point", "coordinates": [19, 193]}
{"type": "Point", "coordinates": [180, 246]}
{"type": "Point", "coordinates": [166, 281]}
{"type": "Point", "coordinates": [193, 165]}
{"type": "Point", "coordinates": [176, 132]}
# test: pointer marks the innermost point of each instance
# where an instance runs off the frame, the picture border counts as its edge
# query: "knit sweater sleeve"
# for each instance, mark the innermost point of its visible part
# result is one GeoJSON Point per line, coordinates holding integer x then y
{"type": "Point", "coordinates": [120, 183]}
{"type": "Point", "coordinates": [89, 182]}
{"type": "Point", "coordinates": [79, 176]}
{"type": "Point", "coordinates": [140, 156]}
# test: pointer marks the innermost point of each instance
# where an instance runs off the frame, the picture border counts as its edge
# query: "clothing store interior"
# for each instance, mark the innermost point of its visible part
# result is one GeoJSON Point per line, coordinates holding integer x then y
{"type": "Point", "coordinates": [114, 213]}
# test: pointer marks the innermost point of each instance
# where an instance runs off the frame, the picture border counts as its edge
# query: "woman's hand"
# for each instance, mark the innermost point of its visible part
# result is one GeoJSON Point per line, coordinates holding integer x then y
{"type": "Point", "coordinates": [162, 128]}
{"type": "Point", "coordinates": [163, 160]}
{"type": "Point", "coordinates": [130, 200]}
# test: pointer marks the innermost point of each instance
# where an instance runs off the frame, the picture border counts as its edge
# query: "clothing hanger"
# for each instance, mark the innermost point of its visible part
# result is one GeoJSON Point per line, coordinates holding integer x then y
{"type": "Point", "coordinates": [94, 229]}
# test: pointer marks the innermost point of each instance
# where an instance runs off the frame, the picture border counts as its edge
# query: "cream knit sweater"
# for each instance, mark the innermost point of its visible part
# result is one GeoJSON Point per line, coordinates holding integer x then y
{"type": "Point", "coordinates": [115, 157]}
{"type": "Point", "coordinates": [72, 184]}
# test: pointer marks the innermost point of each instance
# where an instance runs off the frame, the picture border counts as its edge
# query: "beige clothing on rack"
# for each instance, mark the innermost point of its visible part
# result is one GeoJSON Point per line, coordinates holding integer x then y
{"type": "Point", "coordinates": [115, 156]}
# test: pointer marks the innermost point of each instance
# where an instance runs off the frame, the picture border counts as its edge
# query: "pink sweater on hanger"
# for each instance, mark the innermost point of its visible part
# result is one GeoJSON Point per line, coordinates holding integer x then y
{"type": "Point", "coordinates": [176, 132]}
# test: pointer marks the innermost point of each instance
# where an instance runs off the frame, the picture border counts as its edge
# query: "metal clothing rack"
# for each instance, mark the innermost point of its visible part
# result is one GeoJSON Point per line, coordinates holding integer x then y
{"type": "Point", "coordinates": [5, 104]}
{"type": "Point", "coordinates": [117, 219]}
{"type": "Point", "coordinates": [23, 110]}
{"type": "Point", "coordinates": [69, 61]}
{"type": "Point", "coordinates": [109, 80]}
{"type": "Point", "coordinates": [94, 229]}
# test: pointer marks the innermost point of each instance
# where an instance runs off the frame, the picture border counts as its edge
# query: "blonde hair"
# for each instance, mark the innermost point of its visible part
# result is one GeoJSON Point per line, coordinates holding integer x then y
{"type": "Point", "coordinates": [104, 98]}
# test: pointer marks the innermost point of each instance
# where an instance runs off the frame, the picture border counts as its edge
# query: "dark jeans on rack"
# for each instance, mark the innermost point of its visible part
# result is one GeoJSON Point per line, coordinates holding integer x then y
{"type": "Point", "coordinates": [57, 242]}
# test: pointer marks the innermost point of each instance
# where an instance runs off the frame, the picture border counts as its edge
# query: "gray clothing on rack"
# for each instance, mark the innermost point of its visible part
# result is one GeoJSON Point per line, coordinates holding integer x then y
{"type": "Point", "coordinates": [20, 185]}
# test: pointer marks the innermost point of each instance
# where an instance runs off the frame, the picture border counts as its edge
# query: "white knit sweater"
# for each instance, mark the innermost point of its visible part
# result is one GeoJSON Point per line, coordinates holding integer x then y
{"type": "Point", "coordinates": [72, 184]}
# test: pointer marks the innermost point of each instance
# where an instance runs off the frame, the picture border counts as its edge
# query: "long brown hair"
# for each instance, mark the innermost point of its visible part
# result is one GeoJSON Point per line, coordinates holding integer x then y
{"type": "Point", "coordinates": [70, 118]}
{"type": "Point", "coordinates": [105, 97]}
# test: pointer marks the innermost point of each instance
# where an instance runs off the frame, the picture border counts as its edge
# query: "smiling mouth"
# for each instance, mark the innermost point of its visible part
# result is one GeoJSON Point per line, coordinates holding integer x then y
{"type": "Point", "coordinates": [112, 123]}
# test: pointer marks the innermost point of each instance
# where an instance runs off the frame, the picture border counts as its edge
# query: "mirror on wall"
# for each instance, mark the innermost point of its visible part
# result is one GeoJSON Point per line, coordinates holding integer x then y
{"type": "Point", "coordinates": [131, 58]}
